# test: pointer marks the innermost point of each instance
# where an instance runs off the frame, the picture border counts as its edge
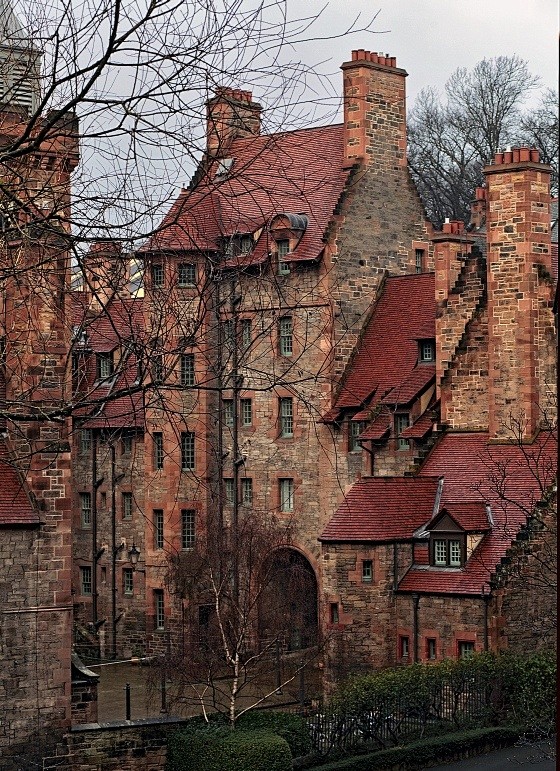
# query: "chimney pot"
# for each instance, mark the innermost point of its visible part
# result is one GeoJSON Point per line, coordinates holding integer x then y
{"type": "Point", "coordinates": [508, 156]}
{"type": "Point", "coordinates": [534, 155]}
{"type": "Point", "coordinates": [361, 54]}
{"type": "Point", "coordinates": [524, 154]}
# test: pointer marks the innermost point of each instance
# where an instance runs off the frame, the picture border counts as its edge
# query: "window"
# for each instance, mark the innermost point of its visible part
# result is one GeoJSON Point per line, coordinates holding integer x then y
{"type": "Point", "coordinates": [229, 489]}
{"type": "Point", "coordinates": [247, 491]}
{"type": "Point", "coordinates": [367, 571]}
{"type": "Point", "coordinates": [246, 412]}
{"type": "Point", "coordinates": [286, 494]}
{"type": "Point", "coordinates": [465, 648]}
{"type": "Point", "coordinates": [186, 274]}
{"type": "Point", "coordinates": [158, 528]}
{"type": "Point", "coordinates": [283, 247]}
{"type": "Point", "coordinates": [159, 609]}
{"type": "Point", "coordinates": [335, 618]}
{"type": "Point", "coordinates": [188, 525]}
{"type": "Point", "coordinates": [228, 412]}
{"type": "Point", "coordinates": [401, 422]}
{"type": "Point", "coordinates": [246, 243]}
{"type": "Point", "coordinates": [227, 334]}
{"type": "Point", "coordinates": [157, 369]}
{"type": "Point", "coordinates": [404, 646]}
{"type": "Point", "coordinates": [126, 445]}
{"type": "Point", "coordinates": [128, 581]}
{"type": "Point", "coordinates": [127, 505]}
{"type": "Point", "coordinates": [283, 268]}
{"type": "Point", "coordinates": [285, 340]}
{"type": "Point", "coordinates": [85, 580]}
{"type": "Point", "coordinates": [431, 648]}
{"type": "Point", "coordinates": [187, 451]}
{"type": "Point", "coordinates": [85, 509]}
{"type": "Point", "coordinates": [419, 260]}
{"type": "Point", "coordinates": [447, 552]}
{"type": "Point", "coordinates": [158, 450]}
{"type": "Point", "coordinates": [104, 365]}
{"type": "Point", "coordinates": [286, 410]}
{"type": "Point", "coordinates": [85, 441]}
{"type": "Point", "coordinates": [356, 428]}
{"type": "Point", "coordinates": [246, 334]}
{"type": "Point", "coordinates": [187, 369]}
{"type": "Point", "coordinates": [427, 350]}
{"type": "Point", "coordinates": [157, 275]}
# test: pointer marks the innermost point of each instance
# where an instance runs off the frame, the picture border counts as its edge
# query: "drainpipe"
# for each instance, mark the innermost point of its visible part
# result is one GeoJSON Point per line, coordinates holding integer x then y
{"type": "Point", "coordinates": [94, 487]}
{"type": "Point", "coordinates": [415, 604]}
{"type": "Point", "coordinates": [486, 599]}
{"type": "Point", "coordinates": [395, 568]}
{"type": "Point", "coordinates": [114, 549]}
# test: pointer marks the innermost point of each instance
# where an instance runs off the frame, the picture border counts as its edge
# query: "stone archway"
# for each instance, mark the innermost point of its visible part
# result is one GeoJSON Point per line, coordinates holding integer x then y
{"type": "Point", "coordinates": [288, 604]}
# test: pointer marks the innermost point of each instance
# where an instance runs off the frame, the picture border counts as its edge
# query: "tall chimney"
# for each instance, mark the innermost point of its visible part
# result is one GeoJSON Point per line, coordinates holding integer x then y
{"type": "Point", "coordinates": [375, 111]}
{"type": "Point", "coordinates": [231, 114]}
{"type": "Point", "coordinates": [105, 272]}
{"type": "Point", "coordinates": [520, 291]}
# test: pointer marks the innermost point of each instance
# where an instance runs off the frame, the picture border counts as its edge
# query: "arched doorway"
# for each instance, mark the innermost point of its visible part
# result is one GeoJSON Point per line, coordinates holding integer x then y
{"type": "Point", "coordinates": [288, 603]}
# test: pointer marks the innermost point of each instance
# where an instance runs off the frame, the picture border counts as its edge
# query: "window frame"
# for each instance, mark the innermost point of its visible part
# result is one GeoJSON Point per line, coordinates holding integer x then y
{"type": "Point", "coordinates": [334, 613]}
{"type": "Point", "coordinates": [286, 417]}
{"type": "Point", "coordinates": [126, 505]}
{"type": "Point", "coordinates": [246, 410]}
{"type": "Point", "coordinates": [431, 643]}
{"type": "Point", "coordinates": [447, 539]}
{"type": "Point", "coordinates": [104, 365]}
{"type": "Point", "coordinates": [188, 451]}
{"type": "Point", "coordinates": [246, 334]}
{"type": "Point", "coordinates": [404, 646]}
{"type": "Point", "coordinates": [157, 275]}
{"type": "Point", "coordinates": [285, 336]}
{"type": "Point", "coordinates": [86, 441]}
{"type": "Point", "coordinates": [187, 375]}
{"type": "Point", "coordinates": [420, 256]}
{"type": "Point", "coordinates": [465, 649]}
{"type": "Point", "coordinates": [159, 529]}
{"type": "Point", "coordinates": [126, 444]}
{"type": "Point", "coordinates": [429, 347]}
{"type": "Point", "coordinates": [286, 494]}
{"type": "Point", "coordinates": [247, 491]}
{"type": "Point", "coordinates": [355, 429]}
{"type": "Point", "coordinates": [159, 610]}
{"type": "Point", "coordinates": [227, 407]}
{"type": "Point", "coordinates": [128, 582]}
{"type": "Point", "coordinates": [86, 512]}
{"type": "Point", "coordinates": [188, 268]}
{"type": "Point", "coordinates": [188, 529]}
{"type": "Point", "coordinates": [367, 571]}
{"type": "Point", "coordinates": [158, 451]}
{"type": "Point", "coordinates": [86, 586]}
{"type": "Point", "coordinates": [229, 491]}
{"type": "Point", "coordinates": [400, 426]}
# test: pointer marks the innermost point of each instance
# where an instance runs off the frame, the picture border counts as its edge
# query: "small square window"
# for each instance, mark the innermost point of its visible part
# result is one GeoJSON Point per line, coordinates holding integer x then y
{"type": "Point", "coordinates": [187, 370]}
{"type": "Point", "coordinates": [404, 646]}
{"type": "Point", "coordinates": [431, 649]}
{"type": "Point", "coordinates": [157, 275]}
{"type": "Point", "coordinates": [286, 346]}
{"type": "Point", "coordinates": [128, 581]}
{"type": "Point", "coordinates": [247, 491]}
{"type": "Point", "coordinates": [127, 505]}
{"type": "Point", "coordinates": [286, 494]}
{"type": "Point", "coordinates": [283, 268]}
{"type": "Point", "coordinates": [465, 648]}
{"type": "Point", "coordinates": [186, 274]}
{"type": "Point", "coordinates": [246, 412]}
{"type": "Point", "coordinates": [188, 528]}
{"type": "Point", "coordinates": [85, 580]}
{"type": "Point", "coordinates": [286, 409]}
{"type": "Point", "coordinates": [427, 351]}
{"type": "Point", "coordinates": [85, 509]}
{"type": "Point", "coordinates": [367, 571]}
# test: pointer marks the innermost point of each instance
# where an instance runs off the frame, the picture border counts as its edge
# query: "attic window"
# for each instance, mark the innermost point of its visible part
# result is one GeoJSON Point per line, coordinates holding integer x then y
{"type": "Point", "coordinates": [224, 167]}
{"type": "Point", "coordinates": [447, 551]}
{"type": "Point", "coordinates": [427, 352]}
{"type": "Point", "coordinates": [104, 366]}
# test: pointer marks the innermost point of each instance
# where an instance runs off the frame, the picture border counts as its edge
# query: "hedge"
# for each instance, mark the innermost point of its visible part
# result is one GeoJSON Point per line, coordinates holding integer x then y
{"type": "Point", "coordinates": [216, 748]}
{"type": "Point", "coordinates": [289, 726]}
{"type": "Point", "coordinates": [428, 751]}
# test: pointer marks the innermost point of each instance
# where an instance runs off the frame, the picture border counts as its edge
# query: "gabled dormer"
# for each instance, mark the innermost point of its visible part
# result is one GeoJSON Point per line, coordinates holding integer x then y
{"type": "Point", "coordinates": [455, 532]}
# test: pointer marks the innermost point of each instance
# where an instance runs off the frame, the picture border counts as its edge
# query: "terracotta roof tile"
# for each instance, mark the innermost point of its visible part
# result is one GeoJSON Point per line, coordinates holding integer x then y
{"type": "Point", "coordinates": [379, 509]}
{"type": "Point", "coordinates": [388, 353]}
{"type": "Point", "coordinates": [15, 505]}
{"type": "Point", "coordinates": [413, 385]}
{"type": "Point", "coordinates": [299, 172]}
{"type": "Point", "coordinates": [380, 426]}
{"type": "Point", "coordinates": [418, 430]}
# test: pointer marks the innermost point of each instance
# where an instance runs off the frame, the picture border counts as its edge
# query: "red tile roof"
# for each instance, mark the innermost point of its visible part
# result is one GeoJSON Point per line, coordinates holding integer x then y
{"type": "Point", "coordinates": [299, 172]}
{"type": "Point", "coordinates": [413, 385]}
{"type": "Point", "coordinates": [15, 505]}
{"type": "Point", "coordinates": [380, 426]}
{"type": "Point", "coordinates": [388, 353]}
{"type": "Point", "coordinates": [418, 430]}
{"type": "Point", "coordinates": [471, 517]}
{"type": "Point", "coordinates": [379, 509]}
{"type": "Point", "coordinates": [475, 471]}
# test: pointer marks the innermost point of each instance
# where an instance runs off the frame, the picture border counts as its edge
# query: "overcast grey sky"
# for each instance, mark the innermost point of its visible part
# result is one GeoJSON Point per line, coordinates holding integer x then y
{"type": "Point", "coordinates": [431, 38]}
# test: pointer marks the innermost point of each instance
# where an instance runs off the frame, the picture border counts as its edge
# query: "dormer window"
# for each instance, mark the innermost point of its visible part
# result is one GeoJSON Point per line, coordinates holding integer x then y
{"type": "Point", "coordinates": [283, 248]}
{"type": "Point", "coordinates": [104, 366]}
{"type": "Point", "coordinates": [186, 274]}
{"type": "Point", "coordinates": [224, 167]}
{"type": "Point", "coordinates": [447, 551]}
{"type": "Point", "coordinates": [427, 351]}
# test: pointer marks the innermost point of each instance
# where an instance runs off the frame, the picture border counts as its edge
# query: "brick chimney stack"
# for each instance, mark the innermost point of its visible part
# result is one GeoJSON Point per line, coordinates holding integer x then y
{"type": "Point", "coordinates": [231, 114]}
{"type": "Point", "coordinates": [478, 209]}
{"type": "Point", "coordinates": [520, 291]}
{"type": "Point", "coordinates": [105, 273]}
{"type": "Point", "coordinates": [375, 111]}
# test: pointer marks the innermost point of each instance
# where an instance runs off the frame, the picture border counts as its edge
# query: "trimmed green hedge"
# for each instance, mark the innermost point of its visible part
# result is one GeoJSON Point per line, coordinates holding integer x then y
{"type": "Point", "coordinates": [428, 751]}
{"type": "Point", "coordinates": [289, 726]}
{"type": "Point", "coordinates": [218, 748]}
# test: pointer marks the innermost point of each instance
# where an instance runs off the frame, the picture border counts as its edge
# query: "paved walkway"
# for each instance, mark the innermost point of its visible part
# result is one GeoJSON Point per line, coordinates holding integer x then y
{"type": "Point", "coordinates": [537, 757]}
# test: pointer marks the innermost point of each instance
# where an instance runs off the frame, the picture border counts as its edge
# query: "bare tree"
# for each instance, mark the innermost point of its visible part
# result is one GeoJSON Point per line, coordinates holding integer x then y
{"type": "Point", "coordinates": [451, 140]}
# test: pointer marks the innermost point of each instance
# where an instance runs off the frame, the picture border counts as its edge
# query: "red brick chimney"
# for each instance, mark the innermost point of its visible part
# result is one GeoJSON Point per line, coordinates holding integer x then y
{"type": "Point", "coordinates": [478, 209]}
{"type": "Point", "coordinates": [231, 114]}
{"type": "Point", "coordinates": [520, 320]}
{"type": "Point", "coordinates": [375, 110]}
{"type": "Point", "coordinates": [105, 272]}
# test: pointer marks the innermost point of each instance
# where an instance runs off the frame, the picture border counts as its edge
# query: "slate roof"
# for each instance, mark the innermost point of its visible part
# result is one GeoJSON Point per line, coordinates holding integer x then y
{"type": "Point", "coordinates": [298, 172]}
{"type": "Point", "coordinates": [388, 354]}
{"type": "Point", "coordinates": [379, 509]}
